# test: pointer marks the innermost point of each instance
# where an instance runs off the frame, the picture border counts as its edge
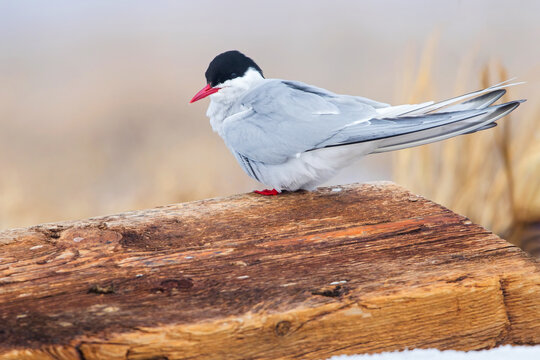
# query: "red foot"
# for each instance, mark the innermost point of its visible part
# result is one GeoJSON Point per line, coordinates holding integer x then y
{"type": "Point", "coordinates": [267, 192]}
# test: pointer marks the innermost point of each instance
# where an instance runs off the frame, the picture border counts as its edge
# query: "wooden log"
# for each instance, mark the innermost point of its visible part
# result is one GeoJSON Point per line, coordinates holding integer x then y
{"type": "Point", "coordinates": [343, 270]}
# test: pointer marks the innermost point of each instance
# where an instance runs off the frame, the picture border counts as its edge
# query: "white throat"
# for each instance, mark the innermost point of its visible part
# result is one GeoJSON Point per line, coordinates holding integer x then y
{"type": "Point", "coordinates": [221, 102]}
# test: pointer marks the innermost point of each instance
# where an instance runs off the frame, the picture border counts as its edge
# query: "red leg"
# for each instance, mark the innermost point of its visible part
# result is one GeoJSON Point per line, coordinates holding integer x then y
{"type": "Point", "coordinates": [267, 192]}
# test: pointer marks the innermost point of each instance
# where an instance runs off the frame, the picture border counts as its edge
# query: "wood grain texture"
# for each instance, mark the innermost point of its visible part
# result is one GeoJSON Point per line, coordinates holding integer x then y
{"type": "Point", "coordinates": [343, 270]}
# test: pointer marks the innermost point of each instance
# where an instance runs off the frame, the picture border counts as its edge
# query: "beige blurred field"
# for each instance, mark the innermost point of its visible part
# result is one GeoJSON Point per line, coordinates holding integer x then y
{"type": "Point", "coordinates": [94, 113]}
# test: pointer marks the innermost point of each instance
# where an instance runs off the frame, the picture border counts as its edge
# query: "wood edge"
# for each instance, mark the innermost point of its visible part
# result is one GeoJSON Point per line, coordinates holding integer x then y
{"type": "Point", "coordinates": [8, 236]}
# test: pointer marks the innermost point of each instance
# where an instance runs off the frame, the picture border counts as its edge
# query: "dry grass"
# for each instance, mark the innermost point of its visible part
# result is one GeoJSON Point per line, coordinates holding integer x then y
{"type": "Point", "coordinates": [493, 177]}
{"type": "Point", "coordinates": [94, 183]}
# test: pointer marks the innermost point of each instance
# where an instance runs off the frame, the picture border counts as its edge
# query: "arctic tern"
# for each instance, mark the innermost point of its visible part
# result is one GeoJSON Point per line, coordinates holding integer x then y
{"type": "Point", "coordinates": [290, 135]}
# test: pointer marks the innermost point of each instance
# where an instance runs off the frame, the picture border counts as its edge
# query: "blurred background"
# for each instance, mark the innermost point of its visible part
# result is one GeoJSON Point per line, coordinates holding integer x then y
{"type": "Point", "coordinates": [94, 113]}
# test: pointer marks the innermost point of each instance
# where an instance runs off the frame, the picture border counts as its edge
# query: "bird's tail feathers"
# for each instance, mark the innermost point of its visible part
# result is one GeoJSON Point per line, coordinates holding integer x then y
{"type": "Point", "coordinates": [482, 121]}
{"type": "Point", "coordinates": [479, 102]}
{"type": "Point", "coordinates": [482, 98]}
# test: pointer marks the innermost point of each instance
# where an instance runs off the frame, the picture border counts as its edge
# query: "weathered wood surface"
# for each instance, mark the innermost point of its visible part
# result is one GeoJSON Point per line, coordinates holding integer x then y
{"type": "Point", "coordinates": [360, 268]}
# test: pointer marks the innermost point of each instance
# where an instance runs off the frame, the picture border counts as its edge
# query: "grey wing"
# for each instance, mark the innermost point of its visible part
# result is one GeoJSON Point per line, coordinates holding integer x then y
{"type": "Point", "coordinates": [347, 100]}
{"type": "Point", "coordinates": [407, 131]}
{"type": "Point", "coordinates": [376, 129]}
{"type": "Point", "coordinates": [282, 119]}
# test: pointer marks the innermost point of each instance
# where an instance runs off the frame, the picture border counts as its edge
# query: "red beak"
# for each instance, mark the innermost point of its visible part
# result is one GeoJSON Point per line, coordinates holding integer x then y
{"type": "Point", "coordinates": [207, 90]}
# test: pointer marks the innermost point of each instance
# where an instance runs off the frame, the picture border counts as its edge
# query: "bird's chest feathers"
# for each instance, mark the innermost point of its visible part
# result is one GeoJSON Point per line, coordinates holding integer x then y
{"type": "Point", "coordinates": [219, 111]}
{"type": "Point", "coordinates": [227, 101]}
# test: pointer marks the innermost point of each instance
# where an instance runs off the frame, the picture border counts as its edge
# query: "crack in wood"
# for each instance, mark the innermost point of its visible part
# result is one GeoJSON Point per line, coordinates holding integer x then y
{"type": "Point", "coordinates": [502, 337]}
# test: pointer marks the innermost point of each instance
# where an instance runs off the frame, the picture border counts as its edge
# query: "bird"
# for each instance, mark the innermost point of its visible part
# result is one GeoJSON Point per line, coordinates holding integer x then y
{"type": "Point", "coordinates": [289, 135]}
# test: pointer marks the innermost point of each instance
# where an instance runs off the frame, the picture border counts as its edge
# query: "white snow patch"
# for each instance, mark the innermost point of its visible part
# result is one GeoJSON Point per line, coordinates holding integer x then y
{"type": "Point", "coordinates": [499, 353]}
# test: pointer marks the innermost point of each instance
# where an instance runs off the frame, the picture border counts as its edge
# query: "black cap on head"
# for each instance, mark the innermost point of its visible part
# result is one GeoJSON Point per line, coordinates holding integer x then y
{"type": "Point", "coordinates": [229, 65]}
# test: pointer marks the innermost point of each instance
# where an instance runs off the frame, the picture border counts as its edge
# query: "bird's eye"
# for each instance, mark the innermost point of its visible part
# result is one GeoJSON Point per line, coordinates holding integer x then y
{"type": "Point", "coordinates": [233, 75]}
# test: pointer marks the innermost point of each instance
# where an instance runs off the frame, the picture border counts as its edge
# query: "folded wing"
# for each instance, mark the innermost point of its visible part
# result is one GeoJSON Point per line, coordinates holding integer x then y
{"type": "Point", "coordinates": [282, 119]}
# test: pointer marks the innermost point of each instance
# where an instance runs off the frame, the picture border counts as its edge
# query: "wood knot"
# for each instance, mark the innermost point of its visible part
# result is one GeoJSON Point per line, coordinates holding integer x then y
{"type": "Point", "coordinates": [282, 328]}
{"type": "Point", "coordinates": [172, 286]}
{"type": "Point", "coordinates": [458, 279]}
{"type": "Point", "coordinates": [103, 226]}
{"type": "Point", "coordinates": [335, 291]}
{"type": "Point", "coordinates": [99, 289]}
